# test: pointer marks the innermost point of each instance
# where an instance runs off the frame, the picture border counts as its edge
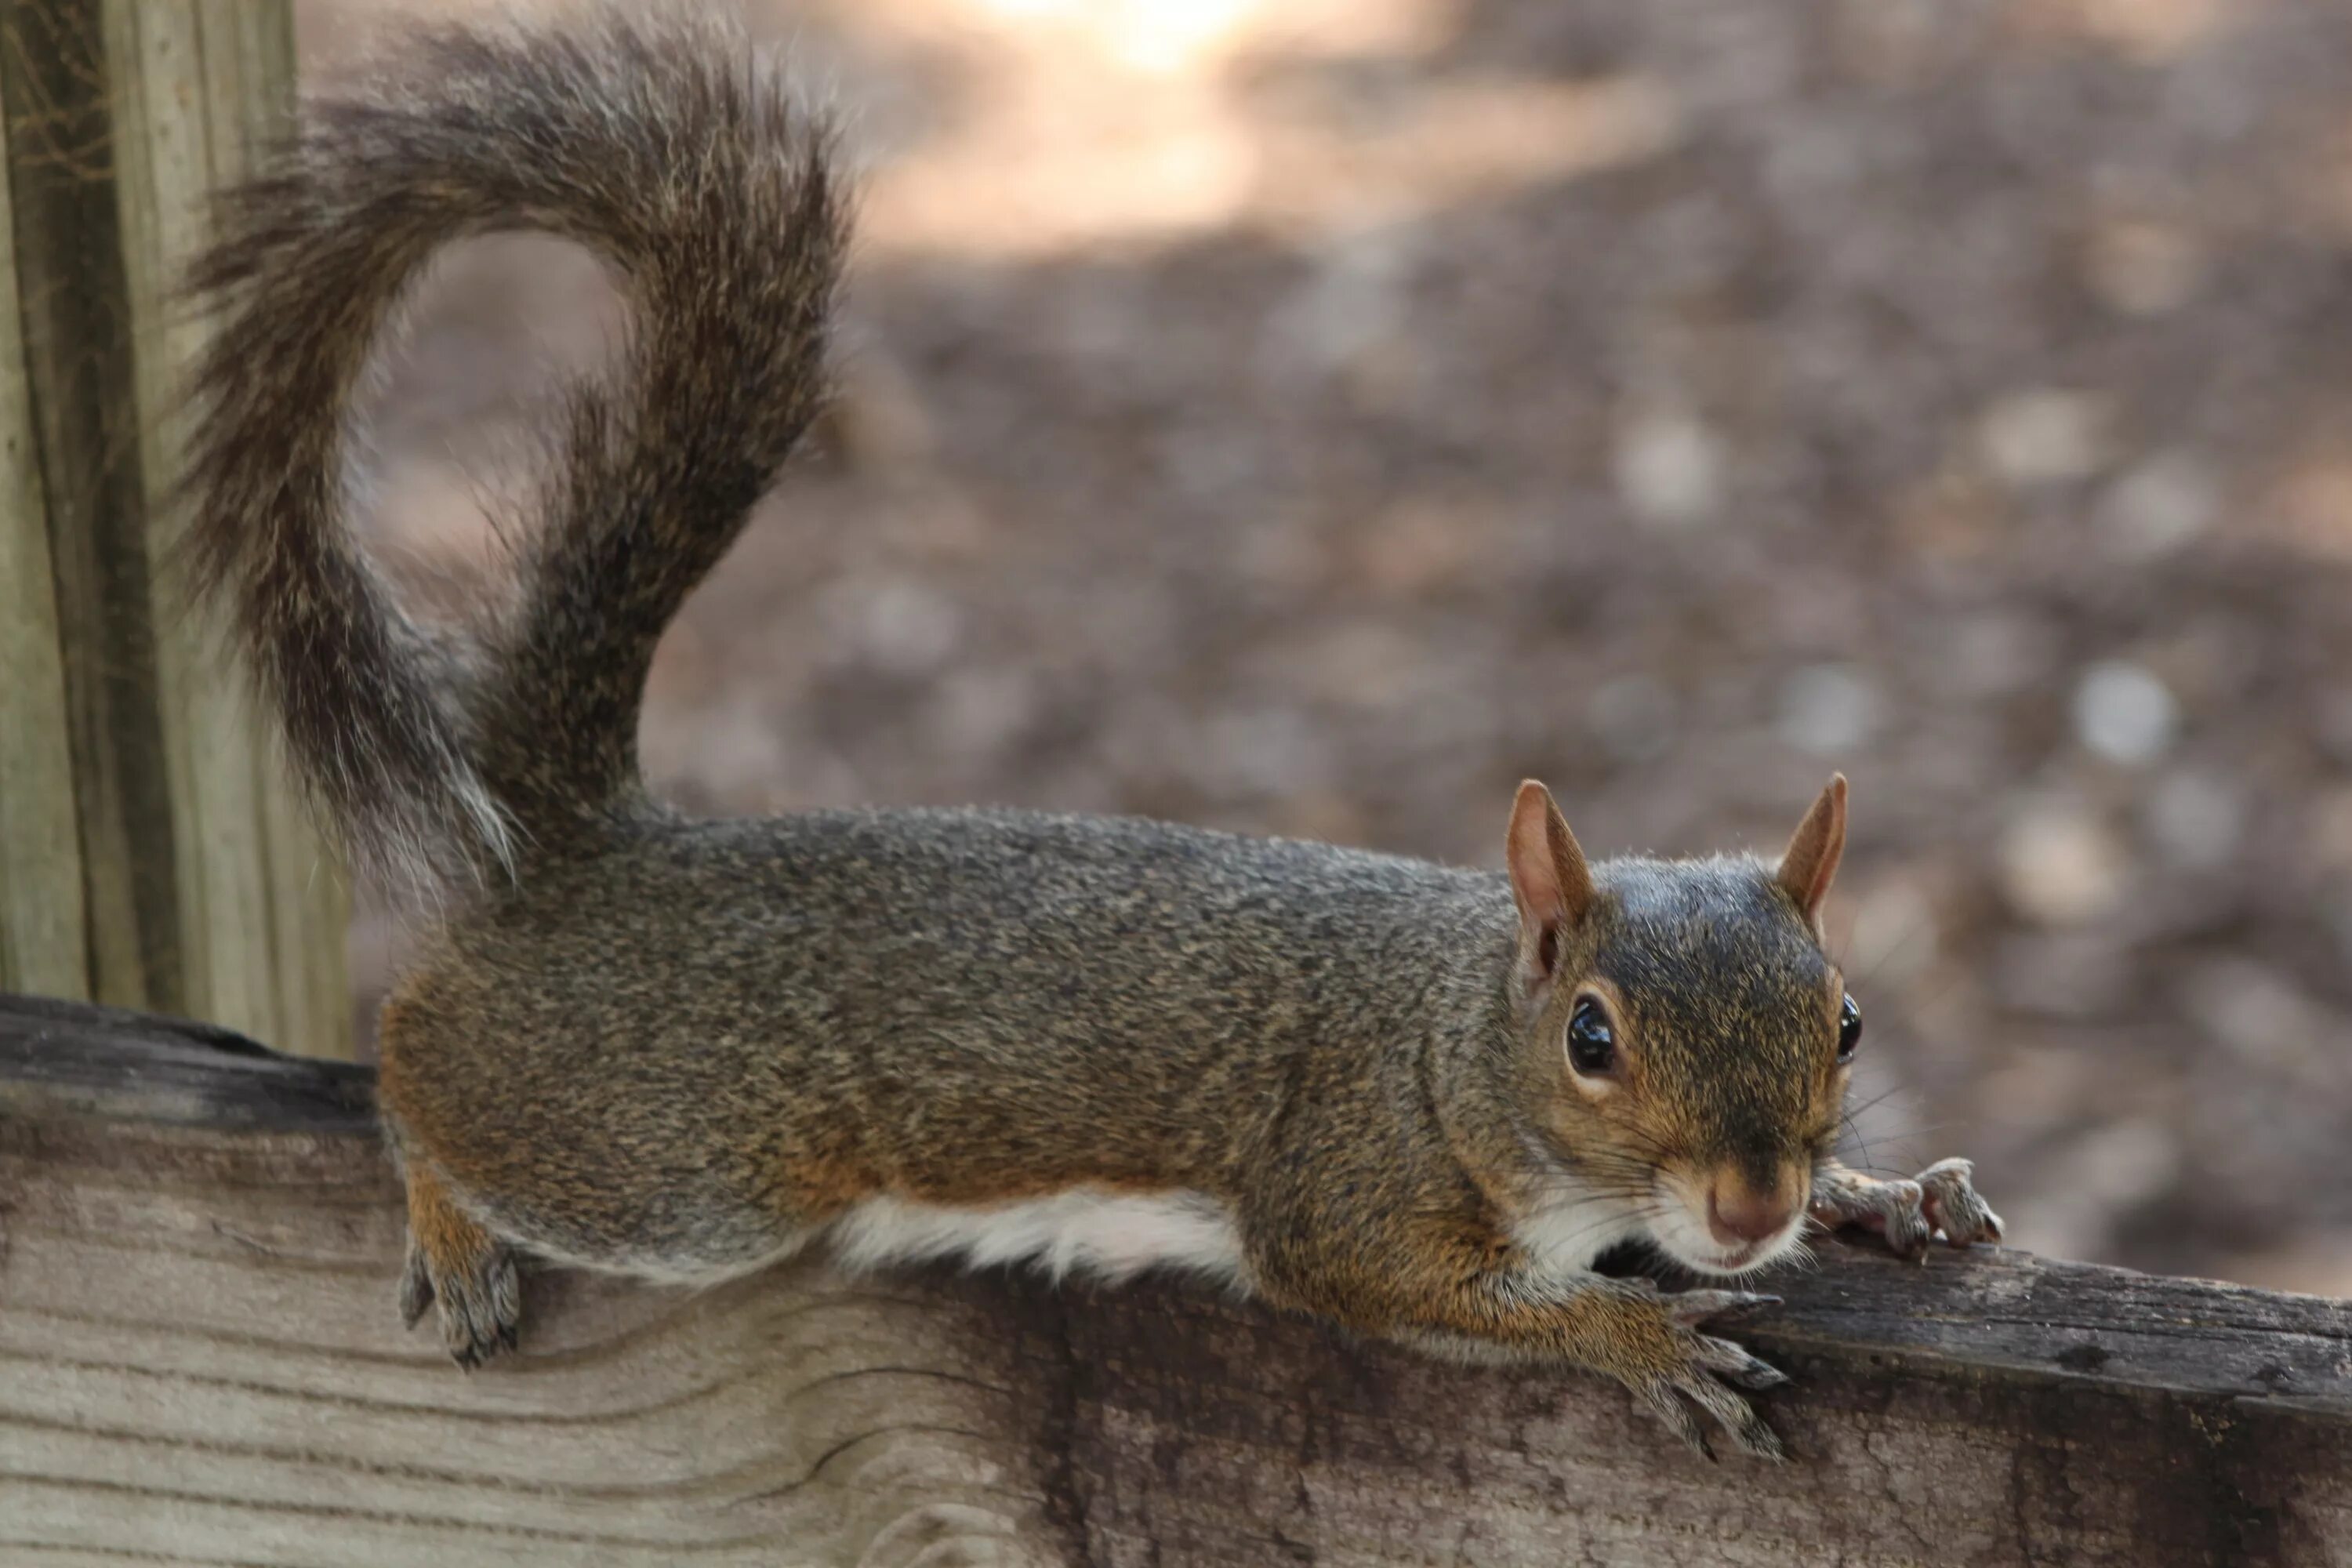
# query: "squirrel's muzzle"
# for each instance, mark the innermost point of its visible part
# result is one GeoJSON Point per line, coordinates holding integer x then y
{"type": "Point", "coordinates": [1740, 1215]}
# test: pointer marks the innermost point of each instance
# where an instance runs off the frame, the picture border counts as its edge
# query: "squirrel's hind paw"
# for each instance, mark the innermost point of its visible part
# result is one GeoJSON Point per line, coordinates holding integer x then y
{"type": "Point", "coordinates": [1941, 1201]}
{"type": "Point", "coordinates": [457, 1266]}
{"type": "Point", "coordinates": [480, 1301]}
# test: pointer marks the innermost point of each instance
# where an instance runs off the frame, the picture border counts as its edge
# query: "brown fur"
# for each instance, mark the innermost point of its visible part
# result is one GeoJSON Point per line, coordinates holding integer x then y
{"type": "Point", "coordinates": [677, 1049]}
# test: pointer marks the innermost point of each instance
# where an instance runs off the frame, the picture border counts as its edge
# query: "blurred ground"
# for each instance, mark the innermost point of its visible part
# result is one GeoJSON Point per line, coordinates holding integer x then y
{"type": "Point", "coordinates": [1313, 417]}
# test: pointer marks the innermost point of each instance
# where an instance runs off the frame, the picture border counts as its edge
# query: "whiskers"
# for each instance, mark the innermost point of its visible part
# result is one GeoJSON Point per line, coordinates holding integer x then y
{"type": "Point", "coordinates": [1891, 1146]}
{"type": "Point", "coordinates": [1800, 1254]}
{"type": "Point", "coordinates": [1861, 1150]}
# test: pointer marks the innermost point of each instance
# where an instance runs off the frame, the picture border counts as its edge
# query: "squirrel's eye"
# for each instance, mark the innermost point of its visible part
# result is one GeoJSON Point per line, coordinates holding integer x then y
{"type": "Point", "coordinates": [1848, 1030]}
{"type": "Point", "coordinates": [1591, 1043]}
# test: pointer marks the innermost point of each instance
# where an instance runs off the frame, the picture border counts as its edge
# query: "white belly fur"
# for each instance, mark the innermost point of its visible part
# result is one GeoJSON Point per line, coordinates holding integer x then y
{"type": "Point", "coordinates": [1109, 1236]}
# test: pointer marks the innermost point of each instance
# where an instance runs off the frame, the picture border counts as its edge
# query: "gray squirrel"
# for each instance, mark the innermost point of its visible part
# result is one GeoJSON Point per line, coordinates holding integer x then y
{"type": "Point", "coordinates": [1416, 1101]}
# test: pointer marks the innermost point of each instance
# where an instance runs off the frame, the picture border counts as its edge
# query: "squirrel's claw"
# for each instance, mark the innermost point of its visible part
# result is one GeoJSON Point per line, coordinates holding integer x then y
{"type": "Point", "coordinates": [1691, 1308]}
{"type": "Point", "coordinates": [1664, 1396]}
{"type": "Point", "coordinates": [1756, 1439]}
{"type": "Point", "coordinates": [1707, 1365]}
{"type": "Point", "coordinates": [1727, 1360]}
{"type": "Point", "coordinates": [481, 1305]}
{"type": "Point", "coordinates": [1910, 1215]}
{"type": "Point", "coordinates": [457, 1266]}
{"type": "Point", "coordinates": [1950, 1203]}
{"type": "Point", "coordinates": [1893, 1209]}
{"type": "Point", "coordinates": [416, 1286]}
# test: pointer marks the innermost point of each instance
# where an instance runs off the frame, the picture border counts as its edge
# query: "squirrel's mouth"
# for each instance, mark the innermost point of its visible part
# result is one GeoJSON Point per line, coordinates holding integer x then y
{"type": "Point", "coordinates": [1742, 1259]}
{"type": "Point", "coordinates": [1687, 1227]}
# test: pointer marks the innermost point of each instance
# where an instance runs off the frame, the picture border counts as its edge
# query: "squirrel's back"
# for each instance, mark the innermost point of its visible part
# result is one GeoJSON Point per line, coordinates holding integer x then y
{"type": "Point", "coordinates": [924, 1003]}
{"type": "Point", "coordinates": [1053, 948]}
{"type": "Point", "coordinates": [663, 145]}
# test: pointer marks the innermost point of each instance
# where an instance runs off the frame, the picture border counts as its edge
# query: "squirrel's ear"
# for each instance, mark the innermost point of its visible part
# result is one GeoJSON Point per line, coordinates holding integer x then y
{"type": "Point", "coordinates": [1811, 859]}
{"type": "Point", "coordinates": [1549, 879]}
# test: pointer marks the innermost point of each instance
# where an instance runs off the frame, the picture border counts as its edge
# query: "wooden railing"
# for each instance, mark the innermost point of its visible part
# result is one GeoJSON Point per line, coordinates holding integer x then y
{"type": "Point", "coordinates": [200, 1362]}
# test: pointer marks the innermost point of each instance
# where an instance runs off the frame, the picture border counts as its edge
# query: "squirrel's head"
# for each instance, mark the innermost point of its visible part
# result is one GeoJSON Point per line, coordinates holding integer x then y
{"type": "Point", "coordinates": [1685, 1039]}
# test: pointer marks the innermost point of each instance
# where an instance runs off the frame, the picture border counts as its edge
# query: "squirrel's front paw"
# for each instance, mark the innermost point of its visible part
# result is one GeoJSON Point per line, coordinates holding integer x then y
{"type": "Point", "coordinates": [1939, 1201]}
{"type": "Point", "coordinates": [454, 1264]}
{"type": "Point", "coordinates": [1695, 1368]}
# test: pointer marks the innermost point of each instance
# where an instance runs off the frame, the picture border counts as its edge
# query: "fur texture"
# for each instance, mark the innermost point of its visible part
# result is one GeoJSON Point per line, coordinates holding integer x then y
{"type": "Point", "coordinates": [685, 168]}
{"type": "Point", "coordinates": [682, 1049]}
{"type": "Point", "coordinates": [1107, 1236]}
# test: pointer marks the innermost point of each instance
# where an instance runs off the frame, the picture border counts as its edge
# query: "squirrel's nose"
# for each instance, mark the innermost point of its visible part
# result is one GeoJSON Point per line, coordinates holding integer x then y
{"type": "Point", "coordinates": [1737, 1214]}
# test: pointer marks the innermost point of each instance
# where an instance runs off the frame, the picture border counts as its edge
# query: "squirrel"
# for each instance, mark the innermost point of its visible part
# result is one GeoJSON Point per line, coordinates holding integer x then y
{"type": "Point", "coordinates": [1415, 1100]}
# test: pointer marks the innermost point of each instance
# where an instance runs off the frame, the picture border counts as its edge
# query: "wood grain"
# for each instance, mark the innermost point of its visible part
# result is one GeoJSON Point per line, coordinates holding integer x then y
{"type": "Point", "coordinates": [76, 328]}
{"type": "Point", "coordinates": [199, 1363]}
{"type": "Point", "coordinates": [200, 84]}
{"type": "Point", "coordinates": [41, 940]}
{"type": "Point", "coordinates": [151, 852]}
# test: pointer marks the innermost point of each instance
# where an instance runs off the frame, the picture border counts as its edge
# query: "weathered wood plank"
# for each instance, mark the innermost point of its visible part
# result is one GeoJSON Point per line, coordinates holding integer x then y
{"type": "Point", "coordinates": [200, 84]}
{"type": "Point", "coordinates": [75, 321]}
{"type": "Point", "coordinates": [152, 851]}
{"type": "Point", "coordinates": [198, 1364]}
{"type": "Point", "coordinates": [41, 945]}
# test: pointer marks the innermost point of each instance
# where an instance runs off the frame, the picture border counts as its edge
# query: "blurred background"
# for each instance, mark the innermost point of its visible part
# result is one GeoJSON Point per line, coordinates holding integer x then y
{"type": "Point", "coordinates": [1313, 415]}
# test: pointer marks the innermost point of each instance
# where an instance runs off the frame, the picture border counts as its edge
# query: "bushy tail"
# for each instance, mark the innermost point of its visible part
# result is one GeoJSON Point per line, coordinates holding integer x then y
{"type": "Point", "coordinates": [666, 147]}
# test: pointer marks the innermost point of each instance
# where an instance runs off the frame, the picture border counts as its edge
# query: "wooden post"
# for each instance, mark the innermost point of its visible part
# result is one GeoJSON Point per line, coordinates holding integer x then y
{"type": "Point", "coordinates": [200, 1362]}
{"type": "Point", "coordinates": [154, 854]}
{"type": "Point", "coordinates": [43, 943]}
